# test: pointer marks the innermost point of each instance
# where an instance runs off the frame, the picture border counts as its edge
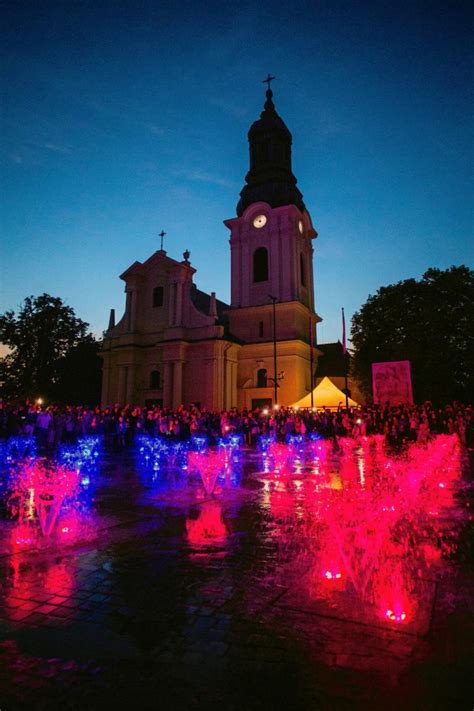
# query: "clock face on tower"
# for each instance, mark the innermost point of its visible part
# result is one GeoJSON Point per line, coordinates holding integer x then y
{"type": "Point", "coordinates": [259, 221]}
{"type": "Point", "coordinates": [300, 226]}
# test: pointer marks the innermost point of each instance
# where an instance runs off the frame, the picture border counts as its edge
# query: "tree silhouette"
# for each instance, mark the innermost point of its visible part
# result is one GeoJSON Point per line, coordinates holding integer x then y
{"type": "Point", "coordinates": [48, 350]}
{"type": "Point", "coordinates": [429, 322]}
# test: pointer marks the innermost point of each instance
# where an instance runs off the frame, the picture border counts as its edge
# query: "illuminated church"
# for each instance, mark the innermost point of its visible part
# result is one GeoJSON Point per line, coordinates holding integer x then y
{"type": "Point", "coordinates": [176, 344]}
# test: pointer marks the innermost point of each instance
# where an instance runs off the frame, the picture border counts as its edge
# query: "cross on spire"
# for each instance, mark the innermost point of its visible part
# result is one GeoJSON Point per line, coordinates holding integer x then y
{"type": "Point", "coordinates": [162, 234]}
{"type": "Point", "coordinates": [268, 81]}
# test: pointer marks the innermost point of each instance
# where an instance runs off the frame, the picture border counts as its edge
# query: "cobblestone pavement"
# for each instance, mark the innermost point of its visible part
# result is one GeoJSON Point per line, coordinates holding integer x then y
{"type": "Point", "coordinates": [188, 601]}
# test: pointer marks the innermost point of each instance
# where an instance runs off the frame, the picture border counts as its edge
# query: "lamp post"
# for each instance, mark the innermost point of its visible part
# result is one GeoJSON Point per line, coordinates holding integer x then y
{"type": "Point", "coordinates": [275, 379]}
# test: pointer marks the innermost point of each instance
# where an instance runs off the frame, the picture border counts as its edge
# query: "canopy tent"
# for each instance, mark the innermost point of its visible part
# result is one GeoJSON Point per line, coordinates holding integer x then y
{"type": "Point", "coordinates": [326, 394]}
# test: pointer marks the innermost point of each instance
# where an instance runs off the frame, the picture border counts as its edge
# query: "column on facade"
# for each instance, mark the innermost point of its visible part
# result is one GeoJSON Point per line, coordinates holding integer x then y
{"type": "Point", "coordinates": [234, 398]}
{"type": "Point", "coordinates": [295, 263]}
{"type": "Point", "coordinates": [311, 279]}
{"type": "Point", "coordinates": [179, 304]}
{"type": "Point", "coordinates": [130, 385]}
{"type": "Point", "coordinates": [122, 384]}
{"type": "Point", "coordinates": [134, 310]}
{"type": "Point", "coordinates": [128, 309]}
{"type": "Point", "coordinates": [167, 384]}
{"type": "Point", "coordinates": [246, 274]}
{"type": "Point", "coordinates": [172, 303]}
{"type": "Point", "coordinates": [286, 288]}
{"type": "Point", "coordinates": [105, 385]}
{"type": "Point", "coordinates": [177, 383]}
{"type": "Point", "coordinates": [227, 377]}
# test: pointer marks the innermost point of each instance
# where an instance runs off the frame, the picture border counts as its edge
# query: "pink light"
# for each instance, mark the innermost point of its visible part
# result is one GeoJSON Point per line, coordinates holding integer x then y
{"type": "Point", "coordinates": [332, 576]}
{"type": "Point", "coordinates": [395, 617]}
{"type": "Point", "coordinates": [208, 528]}
{"type": "Point", "coordinates": [23, 541]}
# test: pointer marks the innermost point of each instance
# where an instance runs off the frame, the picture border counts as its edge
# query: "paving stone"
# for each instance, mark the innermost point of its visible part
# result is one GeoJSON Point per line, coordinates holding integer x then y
{"type": "Point", "coordinates": [142, 617]}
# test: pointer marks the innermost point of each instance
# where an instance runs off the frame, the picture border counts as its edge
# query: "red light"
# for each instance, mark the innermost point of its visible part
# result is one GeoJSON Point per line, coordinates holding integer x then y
{"type": "Point", "coordinates": [396, 617]}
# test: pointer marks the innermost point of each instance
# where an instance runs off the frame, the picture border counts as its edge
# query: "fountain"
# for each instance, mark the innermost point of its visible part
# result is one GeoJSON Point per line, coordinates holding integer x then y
{"type": "Point", "coordinates": [41, 488]}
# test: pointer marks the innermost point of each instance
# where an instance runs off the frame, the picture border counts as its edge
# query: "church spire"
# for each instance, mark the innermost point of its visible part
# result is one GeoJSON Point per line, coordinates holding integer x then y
{"type": "Point", "coordinates": [270, 178]}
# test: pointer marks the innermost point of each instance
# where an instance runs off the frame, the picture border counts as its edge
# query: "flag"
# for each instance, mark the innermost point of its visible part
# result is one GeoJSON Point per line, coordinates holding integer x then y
{"type": "Point", "coordinates": [344, 349]}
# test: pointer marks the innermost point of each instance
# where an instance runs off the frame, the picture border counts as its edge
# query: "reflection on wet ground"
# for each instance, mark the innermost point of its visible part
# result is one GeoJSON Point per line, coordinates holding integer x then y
{"type": "Point", "coordinates": [307, 575]}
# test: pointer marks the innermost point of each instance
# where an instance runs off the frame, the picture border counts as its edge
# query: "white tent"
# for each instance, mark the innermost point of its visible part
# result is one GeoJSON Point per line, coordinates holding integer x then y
{"type": "Point", "coordinates": [326, 394]}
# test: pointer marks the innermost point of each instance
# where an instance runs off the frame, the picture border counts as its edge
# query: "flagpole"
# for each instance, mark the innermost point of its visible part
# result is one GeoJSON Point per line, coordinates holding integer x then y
{"type": "Point", "coordinates": [346, 389]}
{"type": "Point", "coordinates": [311, 359]}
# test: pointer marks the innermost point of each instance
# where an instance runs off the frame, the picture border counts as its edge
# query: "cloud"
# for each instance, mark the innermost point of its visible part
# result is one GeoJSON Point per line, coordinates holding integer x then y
{"type": "Point", "coordinates": [156, 130]}
{"type": "Point", "coordinates": [199, 176]}
{"type": "Point", "coordinates": [56, 148]}
{"type": "Point", "coordinates": [239, 112]}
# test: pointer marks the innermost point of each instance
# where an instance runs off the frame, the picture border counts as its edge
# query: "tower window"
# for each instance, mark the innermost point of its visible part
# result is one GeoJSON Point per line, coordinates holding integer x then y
{"type": "Point", "coordinates": [302, 269]}
{"type": "Point", "coordinates": [262, 378]}
{"type": "Point", "coordinates": [155, 380]}
{"type": "Point", "coordinates": [260, 329]}
{"type": "Point", "coordinates": [158, 292]}
{"type": "Point", "coordinates": [260, 264]}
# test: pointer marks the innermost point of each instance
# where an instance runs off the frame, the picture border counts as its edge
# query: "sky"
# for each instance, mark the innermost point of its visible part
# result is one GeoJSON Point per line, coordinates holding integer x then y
{"type": "Point", "coordinates": [121, 119]}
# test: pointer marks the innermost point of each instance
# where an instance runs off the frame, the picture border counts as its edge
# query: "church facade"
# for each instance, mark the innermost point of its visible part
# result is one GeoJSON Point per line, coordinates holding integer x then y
{"type": "Point", "coordinates": [176, 344]}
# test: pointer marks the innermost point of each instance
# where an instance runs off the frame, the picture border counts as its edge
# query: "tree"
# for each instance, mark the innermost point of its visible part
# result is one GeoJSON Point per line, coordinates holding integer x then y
{"type": "Point", "coordinates": [80, 373]}
{"type": "Point", "coordinates": [44, 341]}
{"type": "Point", "coordinates": [428, 322]}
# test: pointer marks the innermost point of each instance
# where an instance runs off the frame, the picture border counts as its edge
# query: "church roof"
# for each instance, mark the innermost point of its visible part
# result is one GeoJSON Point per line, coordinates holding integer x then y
{"type": "Point", "coordinates": [202, 302]}
{"type": "Point", "coordinates": [332, 362]}
{"type": "Point", "coordinates": [270, 178]}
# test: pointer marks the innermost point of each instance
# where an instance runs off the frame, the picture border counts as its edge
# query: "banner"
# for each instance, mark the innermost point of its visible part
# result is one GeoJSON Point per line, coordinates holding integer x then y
{"type": "Point", "coordinates": [391, 382]}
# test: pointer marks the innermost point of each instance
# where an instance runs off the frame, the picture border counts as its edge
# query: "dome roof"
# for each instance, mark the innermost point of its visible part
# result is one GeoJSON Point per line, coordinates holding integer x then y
{"type": "Point", "coordinates": [270, 178]}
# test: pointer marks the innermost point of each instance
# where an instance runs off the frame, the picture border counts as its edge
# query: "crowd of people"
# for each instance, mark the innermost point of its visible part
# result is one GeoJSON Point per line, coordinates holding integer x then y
{"type": "Point", "coordinates": [54, 424]}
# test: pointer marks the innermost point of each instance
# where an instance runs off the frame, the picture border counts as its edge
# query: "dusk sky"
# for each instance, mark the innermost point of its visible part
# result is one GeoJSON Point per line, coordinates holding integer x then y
{"type": "Point", "coordinates": [122, 119]}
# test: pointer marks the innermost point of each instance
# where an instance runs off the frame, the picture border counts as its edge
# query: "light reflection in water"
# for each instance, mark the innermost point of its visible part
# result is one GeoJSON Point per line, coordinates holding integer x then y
{"type": "Point", "coordinates": [366, 528]}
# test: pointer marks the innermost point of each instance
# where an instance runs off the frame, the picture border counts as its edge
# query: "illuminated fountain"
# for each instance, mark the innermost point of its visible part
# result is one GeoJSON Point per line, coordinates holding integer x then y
{"type": "Point", "coordinates": [208, 528]}
{"type": "Point", "coordinates": [199, 443]}
{"type": "Point", "coordinates": [83, 457]}
{"type": "Point", "coordinates": [210, 464]}
{"type": "Point", "coordinates": [367, 528]}
{"type": "Point", "coordinates": [152, 451]}
{"type": "Point", "coordinates": [41, 489]}
{"type": "Point", "coordinates": [19, 448]}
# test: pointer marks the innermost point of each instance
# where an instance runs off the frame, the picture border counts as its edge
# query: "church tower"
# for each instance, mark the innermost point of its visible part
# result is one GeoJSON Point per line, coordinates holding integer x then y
{"type": "Point", "coordinates": [272, 263]}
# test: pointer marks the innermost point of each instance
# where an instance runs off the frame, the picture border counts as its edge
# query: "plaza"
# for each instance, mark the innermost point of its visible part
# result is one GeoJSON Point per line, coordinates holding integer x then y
{"type": "Point", "coordinates": [289, 575]}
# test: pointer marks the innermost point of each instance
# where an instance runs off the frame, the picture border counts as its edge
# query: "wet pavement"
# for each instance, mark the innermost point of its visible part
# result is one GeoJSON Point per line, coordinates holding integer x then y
{"type": "Point", "coordinates": [273, 592]}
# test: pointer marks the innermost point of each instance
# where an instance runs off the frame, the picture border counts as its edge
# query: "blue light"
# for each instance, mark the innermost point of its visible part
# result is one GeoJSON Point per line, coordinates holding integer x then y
{"type": "Point", "coordinates": [265, 442]}
{"type": "Point", "coordinates": [20, 448]}
{"type": "Point", "coordinates": [199, 443]}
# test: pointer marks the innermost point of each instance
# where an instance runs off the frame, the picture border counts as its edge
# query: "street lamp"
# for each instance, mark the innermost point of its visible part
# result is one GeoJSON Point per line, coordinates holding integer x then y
{"type": "Point", "coordinates": [275, 377]}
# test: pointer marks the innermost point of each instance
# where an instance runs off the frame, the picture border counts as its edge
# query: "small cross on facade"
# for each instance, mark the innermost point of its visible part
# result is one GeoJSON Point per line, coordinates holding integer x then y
{"type": "Point", "coordinates": [162, 234]}
{"type": "Point", "coordinates": [268, 81]}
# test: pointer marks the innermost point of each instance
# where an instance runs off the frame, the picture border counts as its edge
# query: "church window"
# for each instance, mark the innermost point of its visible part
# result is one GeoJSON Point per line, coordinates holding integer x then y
{"type": "Point", "coordinates": [155, 380]}
{"type": "Point", "coordinates": [260, 264]}
{"type": "Point", "coordinates": [158, 293]}
{"type": "Point", "coordinates": [262, 378]}
{"type": "Point", "coordinates": [302, 269]}
{"type": "Point", "coordinates": [260, 329]}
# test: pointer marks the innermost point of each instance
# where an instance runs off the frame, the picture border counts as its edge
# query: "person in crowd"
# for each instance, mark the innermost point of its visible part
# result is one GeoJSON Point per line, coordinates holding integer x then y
{"type": "Point", "coordinates": [401, 424]}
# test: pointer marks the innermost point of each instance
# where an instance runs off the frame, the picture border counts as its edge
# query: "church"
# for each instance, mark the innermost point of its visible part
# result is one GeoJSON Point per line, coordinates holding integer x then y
{"type": "Point", "coordinates": [176, 344]}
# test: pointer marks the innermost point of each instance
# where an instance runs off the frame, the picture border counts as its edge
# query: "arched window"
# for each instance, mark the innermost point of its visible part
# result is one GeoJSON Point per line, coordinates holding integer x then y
{"type": "Point", "coordinates": [155, 380]}
{"type": "Point", "coordinates": [262, 378]}
{"type": "Point", "coordinates": [158, 296]}
{"type": "Point", "coordinates": [302, 269]}
{"type": "Point", "coordinates": [260, 264]}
